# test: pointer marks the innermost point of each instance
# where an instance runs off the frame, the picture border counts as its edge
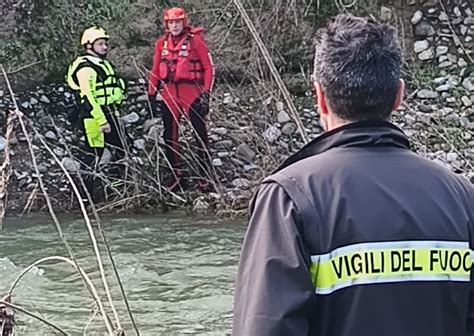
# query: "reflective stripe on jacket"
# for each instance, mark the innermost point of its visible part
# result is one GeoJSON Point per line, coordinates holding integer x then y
{"type": "Point", "coordinates": [108, 88]}
{"type": "Point", "coordinates": [357, 235]}
{"type": "Point", "coordinates": [99, 88]}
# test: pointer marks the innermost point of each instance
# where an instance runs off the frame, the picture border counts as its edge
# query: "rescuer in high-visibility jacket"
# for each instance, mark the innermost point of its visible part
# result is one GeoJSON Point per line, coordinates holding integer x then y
{"type": "Point", "coordinates": [100, 91]}
{"type": "Point", "coordinates": [183, 73]}
{"type": "Point", "coordinates": [355, 234]}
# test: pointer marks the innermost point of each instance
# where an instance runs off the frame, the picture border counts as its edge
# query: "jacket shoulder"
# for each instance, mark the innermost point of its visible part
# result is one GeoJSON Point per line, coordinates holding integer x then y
{"type": "Point", "coordinates": [159, 41]}
{"type": "Point", "coordinates": [196, 30]}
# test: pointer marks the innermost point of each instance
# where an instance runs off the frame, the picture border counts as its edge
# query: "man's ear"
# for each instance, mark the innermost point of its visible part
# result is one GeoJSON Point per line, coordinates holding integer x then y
{"type": "Point", "coordinates": [320, 98]}
{"type": "Point", "coordinates": [400, 93]}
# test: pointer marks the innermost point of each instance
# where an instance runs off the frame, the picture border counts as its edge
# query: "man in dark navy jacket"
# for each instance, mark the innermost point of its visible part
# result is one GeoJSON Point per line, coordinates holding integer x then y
{"type": "Point", "coordinates": [356, 234]}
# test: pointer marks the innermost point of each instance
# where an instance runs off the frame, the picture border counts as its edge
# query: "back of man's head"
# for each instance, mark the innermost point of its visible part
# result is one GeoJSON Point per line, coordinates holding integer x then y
{"type": "Point", "coordinates": [357, 64]}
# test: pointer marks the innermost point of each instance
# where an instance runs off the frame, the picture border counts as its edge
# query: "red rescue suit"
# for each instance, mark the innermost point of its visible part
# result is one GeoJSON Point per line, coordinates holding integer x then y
{"type": "Point", "coordinates": [183, 71]}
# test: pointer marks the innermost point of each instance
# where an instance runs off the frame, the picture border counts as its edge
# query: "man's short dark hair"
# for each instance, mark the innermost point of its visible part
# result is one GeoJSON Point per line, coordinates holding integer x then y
{"type": "Point", "coordinates": [357, 63]}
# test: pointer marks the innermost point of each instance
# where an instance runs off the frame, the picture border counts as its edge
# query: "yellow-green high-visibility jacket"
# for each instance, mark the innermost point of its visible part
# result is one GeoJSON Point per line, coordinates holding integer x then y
{"type": "Point", "coordinates": [98, 86]}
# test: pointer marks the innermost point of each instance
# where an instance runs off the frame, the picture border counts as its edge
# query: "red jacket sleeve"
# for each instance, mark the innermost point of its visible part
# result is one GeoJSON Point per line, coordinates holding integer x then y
{"type": "Point", "coordinates": [204, 56]}
{"type": "Point", "coordinates": [153, 76]}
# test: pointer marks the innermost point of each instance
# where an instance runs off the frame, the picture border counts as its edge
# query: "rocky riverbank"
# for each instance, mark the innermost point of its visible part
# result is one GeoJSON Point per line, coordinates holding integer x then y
{"type": "Point", "coordinates": [250, 133]}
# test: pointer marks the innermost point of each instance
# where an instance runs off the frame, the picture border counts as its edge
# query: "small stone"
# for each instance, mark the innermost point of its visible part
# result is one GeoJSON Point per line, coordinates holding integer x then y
{"type": "Point", "coordinates": [468, 83]}
{"type": "Point", "coordinates": [457, 12]}
{"type": "Point", "coordinates": [1, 93]}
{"type": "Point", "coordinates": [464, 122]}
{"type": "Point", "coordinates": [43, 168]}
{"type": "Point", "coordinates": [443, 16]}
{"type": "Point", "coordinates": [244, 152]}
{"type": "Point", "coordinates": [421, 46]}
{"type": "Point", "coordinates": [59, 152]}
{"type": "Point", "coordinates": [155, 132]}
{"type": "Point", "coordinates": [385, 14]}
{"type": "Point", "coordinates": [219, 130]}
{"type": "Point", "coordinates": [283, 117]}
{"type": "Point", "coordinates": [223, 154]}
{"type": "Point", "coordinates": [440, 80]}
{"type": "Point", "coordinates": [217, 162]}
{"type": "Point", "coordinates": [451, 156]}
{"type": "Point", "coordinates": [25, 105]}
{"type": "Point", "coordinates": [445, 64]}
{"type": "Point", "coordinates": [227, 100]}
{"type": "Point", "coordinates": [425, 108]}
{"type": "Point", "coordinates": [416, 18]}
{"type": "Point", "coordinates": [427, 54]}
{"type": "Point", "coordinates": [469, 20]}
{"type": "Point", "coordinates": [33, 101]}
{"type": "Point", "coordinates": [224, 144]}
{"type": "Point", "coordinates": [279, 106]}
{"type": "Point", "coordinates": [454, 80]}
{"type": "Point", "coordinates": [463, 30]}
{"type": "Point", "coordinates": [242, 183]}
{"type": "Point", "coordinates": [3, 143]}
{"type": "Point", "coordinates": [462, 62]}
{"type": "Point", "coordinates": [71, 165]}
{"type": "Point", "coordinates": [452, 58]}
{"type": "Point", "coordinates": [431, 10]}
{"type": "Point", "coordinates": [131, 118]}
{"type": "Point", "coordinates": [106, 157]}
{"type": "Point", "coordinates": [427, 94]}
{"type": "Point", "coordinates": [443, 88]}
{"type": "Point", "coordinates": [45, 99]}
{"type": "Point", "coordinates": [424, 29]}
{"type": "Point", "coordinates": [143, 98]}
{"type": "Point", "coordinates": [271, 134]}
{"type": "Point", "coordinates": [149, 123]}
{"type": "Point", "coordinates": [288, 129]}
{"type": "Point", "coordinates": [466, 101]}
{"type": "Point", "coordinates": [441, 50]}
{"type": "Point", "coordinates": [139, 144]}
{"type": "Point", "coordinates": [50, 135]}
{"type": "Point", "coordinates": [250, 167]}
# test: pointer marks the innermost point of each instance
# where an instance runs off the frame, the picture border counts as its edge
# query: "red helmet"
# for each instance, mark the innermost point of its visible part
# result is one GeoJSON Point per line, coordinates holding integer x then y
{"type": "Point", "coordinates": [175, 13]}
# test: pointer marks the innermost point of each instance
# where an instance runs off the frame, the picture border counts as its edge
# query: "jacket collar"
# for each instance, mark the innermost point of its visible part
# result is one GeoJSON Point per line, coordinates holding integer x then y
{"type": "Point", "coordinates": [367, 133]}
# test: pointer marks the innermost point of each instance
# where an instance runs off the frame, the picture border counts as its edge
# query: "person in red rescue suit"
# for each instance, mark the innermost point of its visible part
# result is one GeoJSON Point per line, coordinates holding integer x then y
{"type": "Point", "coordinates": [183, 73]}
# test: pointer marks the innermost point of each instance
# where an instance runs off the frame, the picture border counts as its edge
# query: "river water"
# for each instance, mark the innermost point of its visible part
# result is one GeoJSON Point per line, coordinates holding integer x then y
{"type": "Point", "coordinates": [178, 273]}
